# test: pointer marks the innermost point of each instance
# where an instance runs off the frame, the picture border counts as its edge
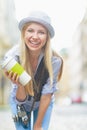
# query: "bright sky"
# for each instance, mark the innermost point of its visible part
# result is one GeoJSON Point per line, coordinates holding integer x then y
{"type": "Point", "coordinates": [65, 15]}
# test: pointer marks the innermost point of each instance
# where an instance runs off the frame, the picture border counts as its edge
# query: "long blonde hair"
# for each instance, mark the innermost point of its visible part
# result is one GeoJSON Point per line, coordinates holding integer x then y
{"type": "Point", "coordinates": [24, 59]}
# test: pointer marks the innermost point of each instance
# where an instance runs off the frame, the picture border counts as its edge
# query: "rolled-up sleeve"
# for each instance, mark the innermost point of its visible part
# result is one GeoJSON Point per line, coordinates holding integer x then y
{"type": "Point", "coordinates": [47, 88]}
{"type": "Point", "coordinates": [13, 95]}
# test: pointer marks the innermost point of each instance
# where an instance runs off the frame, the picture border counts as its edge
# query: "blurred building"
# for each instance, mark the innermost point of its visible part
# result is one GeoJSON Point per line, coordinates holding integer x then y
{"type": "Point", "coordinates": [8, 22]}
{"type": "Point", "coordinates": [9, 35]}
{"type": "Point", "coordinates": [78, 61]}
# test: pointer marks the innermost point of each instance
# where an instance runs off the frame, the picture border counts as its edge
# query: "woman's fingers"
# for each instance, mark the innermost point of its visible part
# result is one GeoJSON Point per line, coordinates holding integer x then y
{"type": "Point", "coordinates": [6, 73]}
{"type": "Point", "coordinates": [10, 76]}
{"type": "Point", "coordinates": [14, 77]}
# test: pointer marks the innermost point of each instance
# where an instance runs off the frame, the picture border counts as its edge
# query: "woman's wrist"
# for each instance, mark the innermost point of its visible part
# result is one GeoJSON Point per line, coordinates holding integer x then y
{"type": "Point", "coordinates": [21, 93]}
{"type": "Point", "coordinates": [21, 100]}
{"type": "Point", "coordinates": [38, 123]}
{"type": "Point", "coordinates": [37, 126]}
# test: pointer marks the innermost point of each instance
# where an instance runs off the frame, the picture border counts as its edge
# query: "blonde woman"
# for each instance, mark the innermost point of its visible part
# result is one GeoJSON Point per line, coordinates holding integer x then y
{"type": "Point", "coordinates": [45, 68]}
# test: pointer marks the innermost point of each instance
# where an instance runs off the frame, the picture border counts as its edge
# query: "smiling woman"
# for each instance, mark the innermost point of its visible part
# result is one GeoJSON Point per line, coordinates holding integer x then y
{"type": "Point", "coordinates": [45, 69]}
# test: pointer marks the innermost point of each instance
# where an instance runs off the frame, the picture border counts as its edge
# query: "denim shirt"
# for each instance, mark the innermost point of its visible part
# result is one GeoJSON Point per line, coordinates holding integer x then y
{"type": "Point", "coordinates": [47, 89]}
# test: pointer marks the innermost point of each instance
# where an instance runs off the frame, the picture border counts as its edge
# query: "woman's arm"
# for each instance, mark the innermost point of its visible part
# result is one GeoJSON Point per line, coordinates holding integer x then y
{"type": "Point", "coordinates": [20, 93]}
{"type": "Point", "coordinates": [44, 103]}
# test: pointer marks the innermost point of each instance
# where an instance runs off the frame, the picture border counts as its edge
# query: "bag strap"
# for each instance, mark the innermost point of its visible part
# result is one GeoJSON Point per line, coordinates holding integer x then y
{"type": "Point", "coordinates": [40, 78]}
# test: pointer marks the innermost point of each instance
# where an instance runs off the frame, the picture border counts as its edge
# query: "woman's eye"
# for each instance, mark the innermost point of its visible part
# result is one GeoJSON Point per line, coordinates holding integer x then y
{"type": "Point", "coordinates": [41, 32]}
{"type": "Point", "coordinates": [29, 30]}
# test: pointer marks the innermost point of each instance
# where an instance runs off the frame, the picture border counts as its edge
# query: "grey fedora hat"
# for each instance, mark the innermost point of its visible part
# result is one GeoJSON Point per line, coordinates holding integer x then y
{"type": "Point", "coordinates": [39, 17]}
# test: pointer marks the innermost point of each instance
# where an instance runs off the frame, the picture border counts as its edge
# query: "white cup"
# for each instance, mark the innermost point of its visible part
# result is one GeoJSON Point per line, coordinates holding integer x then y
{"type": "Point", "coordinates": [10, 64]}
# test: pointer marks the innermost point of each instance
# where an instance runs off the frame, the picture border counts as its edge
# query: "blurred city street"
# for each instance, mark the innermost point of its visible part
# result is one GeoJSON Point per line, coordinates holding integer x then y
{"type": "Point", "coordinates": [70, 111]}
{"type": "Point", "coordinates": [72, 117]}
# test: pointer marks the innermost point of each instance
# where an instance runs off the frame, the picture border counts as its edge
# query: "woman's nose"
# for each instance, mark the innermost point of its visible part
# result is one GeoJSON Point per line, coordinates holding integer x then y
{"type": "Point", "coordinates": [35, 35]}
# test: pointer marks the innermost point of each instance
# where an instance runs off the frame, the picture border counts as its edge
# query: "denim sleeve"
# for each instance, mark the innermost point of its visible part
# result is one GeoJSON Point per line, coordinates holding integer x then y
{"type": "Point", "coordinates": [13, 98]}
{"type": "Point", "coordinates": [47, 88]}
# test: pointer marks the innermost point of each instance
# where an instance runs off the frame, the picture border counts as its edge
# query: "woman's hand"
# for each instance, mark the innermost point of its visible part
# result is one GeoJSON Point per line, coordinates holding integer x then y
{"type": "Point", "coordinates": [13, 77]}
{"type": "Point", "coordinates": [37, 127]}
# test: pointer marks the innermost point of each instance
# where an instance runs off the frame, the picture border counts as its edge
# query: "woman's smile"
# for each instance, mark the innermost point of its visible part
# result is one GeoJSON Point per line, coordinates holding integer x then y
{"type": "Point", "coordinates": [34, 42]}
{"type": "Point", "coordinates": [35, 36]}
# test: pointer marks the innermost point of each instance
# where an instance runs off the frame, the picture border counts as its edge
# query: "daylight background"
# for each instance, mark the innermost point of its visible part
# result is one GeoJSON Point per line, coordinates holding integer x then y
{"type": "Point", "coordinates": [65, 14]}
{"type": "Point", "coordinates": [69, 18]}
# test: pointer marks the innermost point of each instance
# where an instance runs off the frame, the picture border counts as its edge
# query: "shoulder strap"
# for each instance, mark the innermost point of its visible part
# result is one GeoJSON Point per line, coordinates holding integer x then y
{"type": "Point", "coordinates": [40, 78]}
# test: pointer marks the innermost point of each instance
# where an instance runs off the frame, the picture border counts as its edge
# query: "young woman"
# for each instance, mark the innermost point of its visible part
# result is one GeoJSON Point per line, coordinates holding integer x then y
{"type": "Point", "coordinates": [45, 68]}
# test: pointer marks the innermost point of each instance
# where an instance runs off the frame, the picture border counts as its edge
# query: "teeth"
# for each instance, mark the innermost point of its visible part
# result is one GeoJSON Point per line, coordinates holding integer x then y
{"type": "Point", "coordinates": [34, 43]}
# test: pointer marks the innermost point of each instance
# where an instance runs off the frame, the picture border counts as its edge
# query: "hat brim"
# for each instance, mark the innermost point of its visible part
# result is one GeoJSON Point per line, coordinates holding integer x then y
{"type": "Point", "coordinates": [31, 19]}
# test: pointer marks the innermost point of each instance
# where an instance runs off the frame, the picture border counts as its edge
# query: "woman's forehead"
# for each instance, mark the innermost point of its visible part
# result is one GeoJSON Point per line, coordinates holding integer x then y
{"type": "Point", "coordinates": [35, 24]}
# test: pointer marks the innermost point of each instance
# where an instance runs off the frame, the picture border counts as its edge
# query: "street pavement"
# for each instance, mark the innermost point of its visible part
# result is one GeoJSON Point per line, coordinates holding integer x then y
{"type": "Point", "coordinates": [72, 117]}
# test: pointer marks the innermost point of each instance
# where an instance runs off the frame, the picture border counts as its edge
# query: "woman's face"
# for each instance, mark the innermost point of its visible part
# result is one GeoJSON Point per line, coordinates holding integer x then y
{"type": "Point", "coordinates": [35, 36]}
